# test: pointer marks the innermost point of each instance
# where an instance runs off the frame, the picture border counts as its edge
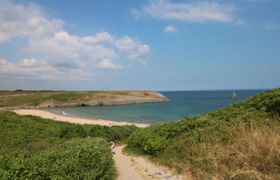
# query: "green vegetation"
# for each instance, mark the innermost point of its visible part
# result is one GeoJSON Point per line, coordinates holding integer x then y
{"type": "Point", "coordinates": [47, 99]}
{"type": "Point", "coordinates": [35, 148]}
{"type": "Point", "coordinates": [75, 159]}
{"type": "Point", "coordinates": [241, 141]}
{"type": "Point", "coordinates": [34, 98]}
{"type": "Point", "coordinates": [66, 96]}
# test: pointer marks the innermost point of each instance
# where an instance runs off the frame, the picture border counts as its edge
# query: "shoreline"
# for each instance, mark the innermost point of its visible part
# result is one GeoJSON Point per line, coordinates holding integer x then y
{"type": "Point", "coordinates": [75, 120]}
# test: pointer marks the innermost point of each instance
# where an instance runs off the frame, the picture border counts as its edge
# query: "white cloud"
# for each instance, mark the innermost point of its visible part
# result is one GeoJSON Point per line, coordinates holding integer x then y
{"type": "Point", "coordinates": [196, 11]}
{"type": "Point", "coordinates": [25, 21]}
{"type": "Point", "coordinates": [269, 26]}
{"type": "Point", "coordinates": [35, 69]}
{"type": "Point", "coordinates": [144, 49]}
{"type": "Point", "coordinates": [133, 48]}
{"type": "Point", "coordinates": [170, 29]}
{"type": "Point", "coordinates": [98, 38]}
{"type": "Point", "coordinates": [108, 64]}
{"type": "Point", "coordinates": [125, 43]}
{"type": "Point", "coordinates": [47, 39]}
{"type": "Point", "coordinates": [3, 62]}
{"type": "Point", "coordinates": [32, 63]}
{"type": "Point", "coordinates": [74, 51]}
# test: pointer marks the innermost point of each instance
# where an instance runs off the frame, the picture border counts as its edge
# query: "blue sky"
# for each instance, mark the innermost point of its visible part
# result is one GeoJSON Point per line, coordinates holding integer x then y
{"type": "Point", "coordinates": [154, 44]}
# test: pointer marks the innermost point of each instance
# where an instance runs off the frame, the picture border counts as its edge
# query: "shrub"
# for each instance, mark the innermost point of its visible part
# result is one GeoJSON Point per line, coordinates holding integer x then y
{"type": "Point", "coordinates": [241, 141]}
{"type": "Point", "coordinates": [267, 102]}
{"type": "Point", "coordinates": [75, 159]}
{"type": "Point", "coordinates": [35, 148]}
{"type": "Point", "coordinates": [72, 131]}
{"type": "Point", "coordinates": [114, 133]}
{"type": "Point", "coordinates": [151, 140]}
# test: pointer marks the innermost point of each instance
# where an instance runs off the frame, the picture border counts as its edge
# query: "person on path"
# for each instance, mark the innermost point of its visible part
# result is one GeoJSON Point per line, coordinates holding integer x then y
{"type": "Point", "coordinates": [112, 146]}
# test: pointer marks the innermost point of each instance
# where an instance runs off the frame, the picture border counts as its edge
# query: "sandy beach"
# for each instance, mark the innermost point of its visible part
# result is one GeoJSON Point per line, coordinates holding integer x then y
{"type": "Point", "coordinates": [76, 120]}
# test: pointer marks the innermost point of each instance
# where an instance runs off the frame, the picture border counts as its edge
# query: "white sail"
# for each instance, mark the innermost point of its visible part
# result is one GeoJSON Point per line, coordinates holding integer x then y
{"type": "Point", "coordinates": [234, 95]}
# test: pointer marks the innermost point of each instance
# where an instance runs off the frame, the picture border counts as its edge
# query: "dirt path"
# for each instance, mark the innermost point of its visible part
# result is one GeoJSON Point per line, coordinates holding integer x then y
{"type": "Point", "coordinates": [138, 168]}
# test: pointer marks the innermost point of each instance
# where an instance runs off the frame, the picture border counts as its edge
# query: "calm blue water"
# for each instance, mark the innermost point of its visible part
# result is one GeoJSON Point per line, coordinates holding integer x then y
{"type": "Point", "coordinates": [182, 104]}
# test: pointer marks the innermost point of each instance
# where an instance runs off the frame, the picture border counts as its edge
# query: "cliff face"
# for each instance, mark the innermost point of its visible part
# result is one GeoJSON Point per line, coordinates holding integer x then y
{"type": "Point", "coordinates": [65, 99]}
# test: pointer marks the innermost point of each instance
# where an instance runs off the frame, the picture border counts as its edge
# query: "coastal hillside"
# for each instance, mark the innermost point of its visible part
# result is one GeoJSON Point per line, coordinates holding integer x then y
{"type": "Point", "coordinates": [49, 99]}
{"type": "Point", "coordinates": [241, 141]}
{"type": "Point", "coordinates": [36, 148]}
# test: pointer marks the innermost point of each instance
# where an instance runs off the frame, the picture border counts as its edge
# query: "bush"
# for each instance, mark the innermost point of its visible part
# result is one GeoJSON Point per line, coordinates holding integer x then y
{"type": "Point", "coordinates": [75, 159]}
{"type": "Point", "coordinates": [267, 102]}
{"type": "Point", "coordinates": [154, 139]}
{"type": "Point", "coordinates": [72, 131]}
{"type": "Point", "coordinates": [114, 133]}
{"type": "Point", "coordinates": [35, 148]}
{"type": "Point", "coordinates": [214, 145]}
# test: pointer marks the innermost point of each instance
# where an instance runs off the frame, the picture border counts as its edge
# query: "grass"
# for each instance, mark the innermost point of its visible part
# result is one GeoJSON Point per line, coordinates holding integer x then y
{"type": "Point", "coordinates": [35, 148]}
{"type": "Point", "coordinates": [74, 159]}
{"type": "Point", "coordinates": [252, 152]}
{"type": "Point", "coordinates": [35, 98]}
{"type": "Point", "coordinates": [66, 96]}
{"type": "Point", "coordinates": [241, 141]}
{"type": "Point", "coordinates": [29, 98]}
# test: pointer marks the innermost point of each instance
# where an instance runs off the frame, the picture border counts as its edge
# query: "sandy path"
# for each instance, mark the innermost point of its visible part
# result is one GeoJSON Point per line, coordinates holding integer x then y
{"type": "Point", "coordinates": [76, 120]}
{"type": "Point", "coordinates": [138, 168]}
{"type": "Point", "coordinates": [129, 167]}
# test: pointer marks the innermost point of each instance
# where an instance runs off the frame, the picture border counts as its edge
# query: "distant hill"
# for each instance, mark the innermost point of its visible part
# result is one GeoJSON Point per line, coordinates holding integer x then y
{"type": "Point", "coordinates": [48, 99]}
{"type": "Point", "coordinates": [241, 141]}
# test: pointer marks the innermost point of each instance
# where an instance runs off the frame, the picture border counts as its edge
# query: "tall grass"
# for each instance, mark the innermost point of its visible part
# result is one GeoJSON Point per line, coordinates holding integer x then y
{"type": "Point", "coordinates": [252, 153]}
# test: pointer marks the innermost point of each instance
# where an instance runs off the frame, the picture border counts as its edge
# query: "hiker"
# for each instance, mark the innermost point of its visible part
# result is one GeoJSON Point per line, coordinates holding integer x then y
{"type": "Point", "coordinates": [112, 146]}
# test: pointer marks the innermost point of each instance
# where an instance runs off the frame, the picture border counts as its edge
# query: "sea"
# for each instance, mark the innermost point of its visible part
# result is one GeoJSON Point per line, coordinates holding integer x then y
{"type": "Point", "coordinates": [182, 104]}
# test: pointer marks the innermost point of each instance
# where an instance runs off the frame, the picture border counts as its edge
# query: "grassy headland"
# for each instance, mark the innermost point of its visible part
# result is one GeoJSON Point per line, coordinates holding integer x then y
{"type": "Point", "coordinates": [35, 148]}
{"type": "Point", "coordinates": [241, 141]}
{"type": "Point", "coordinates": [45, 99]}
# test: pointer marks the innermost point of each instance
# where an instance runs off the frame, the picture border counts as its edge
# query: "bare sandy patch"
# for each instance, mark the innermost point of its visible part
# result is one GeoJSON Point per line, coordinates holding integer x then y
{"type": "Point", "coordinates": [76, 120]}
{"type": "Point", "coordinates": [139, 168]}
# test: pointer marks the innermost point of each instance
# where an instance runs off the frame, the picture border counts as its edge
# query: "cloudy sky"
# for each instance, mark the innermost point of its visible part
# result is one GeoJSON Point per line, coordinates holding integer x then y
{"type": "Point", "coordinates": [147, 44]}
